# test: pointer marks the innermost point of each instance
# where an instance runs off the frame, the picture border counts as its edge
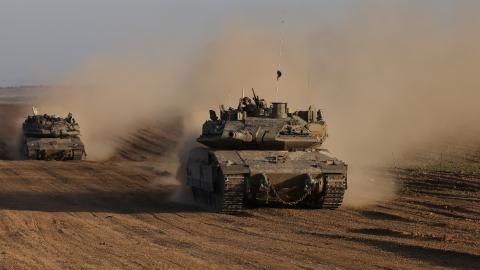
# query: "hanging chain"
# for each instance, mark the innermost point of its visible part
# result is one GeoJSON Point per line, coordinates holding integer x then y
{"type": "Point", "coordinates": [309, 184]}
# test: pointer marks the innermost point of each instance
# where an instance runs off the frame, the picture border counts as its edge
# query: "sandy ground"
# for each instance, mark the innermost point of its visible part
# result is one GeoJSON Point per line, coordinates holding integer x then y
{"type": "Point", "coordinates": [130, 215]}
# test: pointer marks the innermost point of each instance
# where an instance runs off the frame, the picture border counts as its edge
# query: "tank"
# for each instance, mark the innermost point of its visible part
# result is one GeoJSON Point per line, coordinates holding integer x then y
{"type": "Point", "coordinates": [261, 153]}
{"type": "Point", "coordinates": [50, 137]}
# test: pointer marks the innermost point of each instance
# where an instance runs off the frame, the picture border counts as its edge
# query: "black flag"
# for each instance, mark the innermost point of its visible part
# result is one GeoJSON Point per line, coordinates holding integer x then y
{"type": "Point", "coordinates": [279, 74]}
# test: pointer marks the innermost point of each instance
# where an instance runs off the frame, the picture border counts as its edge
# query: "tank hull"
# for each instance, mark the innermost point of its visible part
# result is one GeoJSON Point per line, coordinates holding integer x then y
{"type": "Point", "coordinates": [226, 180]}
{"type": "Point", "coordinates": [70, 148]}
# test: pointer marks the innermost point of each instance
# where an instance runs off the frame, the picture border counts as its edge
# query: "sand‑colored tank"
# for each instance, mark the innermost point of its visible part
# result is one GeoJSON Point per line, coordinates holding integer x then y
{"type": "Point", "coordinates": [50, 137]}
{"type": "Point", "coordinates": [265, 153]}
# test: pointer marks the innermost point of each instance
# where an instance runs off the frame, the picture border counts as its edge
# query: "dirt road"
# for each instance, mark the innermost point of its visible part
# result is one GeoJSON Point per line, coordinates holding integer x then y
{"type": "Point", "coordinates": [127, 215]}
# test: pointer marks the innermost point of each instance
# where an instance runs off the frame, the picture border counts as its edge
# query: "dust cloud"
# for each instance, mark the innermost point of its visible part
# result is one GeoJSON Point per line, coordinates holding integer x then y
{"type": "Point", "coordinates": [10, 137]}
{"type": "Point", "coordinates": [393, 77]}
{"type": "Point", "coordinates": [112, 97]}
{"type": "Point", "coordinates": [388, 76]}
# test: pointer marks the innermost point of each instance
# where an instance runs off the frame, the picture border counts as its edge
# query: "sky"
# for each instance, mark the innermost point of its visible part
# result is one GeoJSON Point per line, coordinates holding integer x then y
{"type": "Point", "coordinates": [43, 40]}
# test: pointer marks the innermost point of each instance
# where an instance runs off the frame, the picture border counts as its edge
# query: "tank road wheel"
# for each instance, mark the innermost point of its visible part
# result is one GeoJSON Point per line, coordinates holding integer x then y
{"type": "Point", "coordinates": [229, 195]}
{"type": "Point", "coordinates": [335, 186]}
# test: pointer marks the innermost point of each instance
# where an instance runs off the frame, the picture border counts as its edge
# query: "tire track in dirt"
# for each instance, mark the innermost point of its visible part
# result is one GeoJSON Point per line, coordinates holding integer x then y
{"type": "Point", "coordinates": [119, 215]}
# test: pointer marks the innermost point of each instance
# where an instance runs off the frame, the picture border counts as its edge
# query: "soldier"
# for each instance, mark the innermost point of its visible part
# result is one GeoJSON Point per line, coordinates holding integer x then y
{"type": "Point", "coordinates": [213, 115]}
{"type": "Point", "coordinates": [70, 119]}
{"type": "Point", "coordinates": [246, 101]}
{"type": "Point", "coordinates": [249, 107]}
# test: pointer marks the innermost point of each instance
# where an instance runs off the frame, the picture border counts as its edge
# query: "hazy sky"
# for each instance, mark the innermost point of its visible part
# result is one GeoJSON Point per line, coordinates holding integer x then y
{"type": "Point", "coordinates": [40, 40]}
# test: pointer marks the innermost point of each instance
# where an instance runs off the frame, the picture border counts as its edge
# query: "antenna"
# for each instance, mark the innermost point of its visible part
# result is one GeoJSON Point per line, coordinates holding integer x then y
{"type": "Point", "coordinates": [309, 75]}
{"type": "Point", "coordinates": [280, 51]}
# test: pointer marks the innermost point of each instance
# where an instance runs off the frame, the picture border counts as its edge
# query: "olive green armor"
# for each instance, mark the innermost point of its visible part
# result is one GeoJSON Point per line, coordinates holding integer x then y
{"type": "Point", "coordinates": [50, 137]}
{"type": "Point", "coordinates": [260, 153]}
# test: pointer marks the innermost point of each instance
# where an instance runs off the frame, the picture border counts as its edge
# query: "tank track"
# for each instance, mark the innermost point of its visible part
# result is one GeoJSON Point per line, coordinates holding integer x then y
{"type": "Point", "coordinates": [36, 155]}
{"type": "Point", "coordinates": [334, 191]}
{"type": "Point", "coordinates": [230, 200]}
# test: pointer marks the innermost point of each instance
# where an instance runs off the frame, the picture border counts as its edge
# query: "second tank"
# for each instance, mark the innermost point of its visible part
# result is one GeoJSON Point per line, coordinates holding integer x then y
{"type": "Point", "coordinates": [51, 137]}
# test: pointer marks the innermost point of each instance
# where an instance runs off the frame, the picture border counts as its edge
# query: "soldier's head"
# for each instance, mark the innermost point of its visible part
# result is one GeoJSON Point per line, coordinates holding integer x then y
{"type": "Point", "coordinates": [246, 101]}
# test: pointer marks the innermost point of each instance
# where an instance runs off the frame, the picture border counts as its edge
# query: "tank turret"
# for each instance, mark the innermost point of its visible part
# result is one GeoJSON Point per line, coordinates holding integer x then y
{"type": "Point", "coordinates": [254, 125]}
{"type": "Point", "coordinates": [261, 153]}
{"type": "Point", "coordinates": [51, 137]}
